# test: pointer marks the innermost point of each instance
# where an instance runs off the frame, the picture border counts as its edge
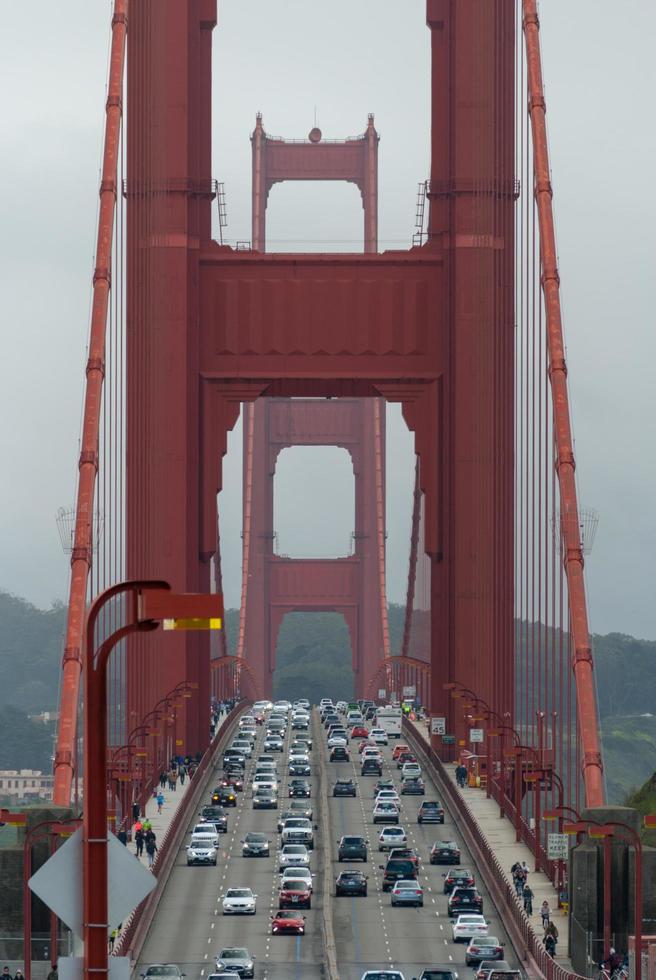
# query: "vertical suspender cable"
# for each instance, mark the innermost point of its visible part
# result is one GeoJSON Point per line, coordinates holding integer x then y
{"type": "Point", "coordinates": [573, 557]}
{"type": "Point", "coordinates": [88, 463]}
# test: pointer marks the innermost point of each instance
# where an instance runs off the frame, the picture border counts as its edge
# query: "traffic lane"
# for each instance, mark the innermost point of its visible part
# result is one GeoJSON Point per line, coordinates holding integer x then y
{"type": "Point", "coordinates": [189, 928]}
{"type": "Point", "coordinates": [370, 934]}
{"type": "Point", "coordinates": [423, 836]}
{"type": "Point", "coordinates": [407, 938]}
{"type": "Point", "coordinates": [294, 957]}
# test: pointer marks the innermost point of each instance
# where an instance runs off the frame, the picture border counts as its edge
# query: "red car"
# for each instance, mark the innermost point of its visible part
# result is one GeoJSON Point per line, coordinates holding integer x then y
{"type": "Point", "coordinates": [296, 894]}
{"type": "Point", "coordinates": [289, 922]}
{"type": "Point", "coordinates": [403, 758]}
{"type": "Point", "coordinates": [359, 731]}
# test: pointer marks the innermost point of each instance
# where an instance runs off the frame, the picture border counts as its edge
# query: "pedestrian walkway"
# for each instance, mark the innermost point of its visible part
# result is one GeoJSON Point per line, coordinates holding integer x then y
{"type": "Point", "coordinates": [500, 834]}
{"type": "Point", "coordinates": [160, 822]}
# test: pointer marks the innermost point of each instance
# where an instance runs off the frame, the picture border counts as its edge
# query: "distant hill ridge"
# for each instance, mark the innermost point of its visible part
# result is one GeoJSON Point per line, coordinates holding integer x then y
{"type": "Point", "coordinates": [314, 659]}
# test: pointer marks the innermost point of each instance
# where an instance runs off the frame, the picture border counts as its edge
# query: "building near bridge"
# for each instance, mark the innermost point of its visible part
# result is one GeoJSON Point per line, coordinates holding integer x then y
{"type": "Point", "coordinates": [25, 785]}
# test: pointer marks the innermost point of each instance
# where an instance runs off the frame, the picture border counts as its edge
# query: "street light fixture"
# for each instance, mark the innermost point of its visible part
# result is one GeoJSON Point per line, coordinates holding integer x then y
{"type": "Point", "coordinates": [148, 603]}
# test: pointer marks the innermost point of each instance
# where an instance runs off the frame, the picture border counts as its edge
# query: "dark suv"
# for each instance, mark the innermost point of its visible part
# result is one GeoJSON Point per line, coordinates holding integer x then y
{"type": "Point", "coordinates": [465, 900]}
{"type": "Point", "coordinates": [430, 812]}
{"type": "Point", "coordinates": [351, 883]}
{"type": "Point", "coordinates": [398, 869]}
{"type": "Point", "coordinates": [371, 767]}
{"type": "Point", "coordinates": [352, 849]}
{"type": "Point", "coordinates": [344, 787]}
{"type": "Point", "coordinates": [458, 878]}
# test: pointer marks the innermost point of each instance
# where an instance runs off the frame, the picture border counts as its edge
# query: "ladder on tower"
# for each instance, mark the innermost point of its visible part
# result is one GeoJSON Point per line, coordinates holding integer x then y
{"type": "Point", "coordinates": [422, 192]}
{"type": "Point", "coordinates": [223, 213]}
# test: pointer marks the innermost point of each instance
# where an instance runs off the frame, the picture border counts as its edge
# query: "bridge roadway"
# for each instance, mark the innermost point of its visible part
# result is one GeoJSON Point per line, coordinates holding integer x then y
{"type": "Point", "coordinates": [189, 928]}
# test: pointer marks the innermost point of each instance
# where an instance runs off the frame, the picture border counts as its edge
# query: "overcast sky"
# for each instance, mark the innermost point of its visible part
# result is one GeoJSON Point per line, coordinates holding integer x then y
{"type": "Point", "coordinates": [287, 58]}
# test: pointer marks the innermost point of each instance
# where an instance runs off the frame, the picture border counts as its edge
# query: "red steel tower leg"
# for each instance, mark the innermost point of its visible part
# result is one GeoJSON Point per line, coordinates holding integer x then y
{"type": "Point", "coordinates": [169, 193]}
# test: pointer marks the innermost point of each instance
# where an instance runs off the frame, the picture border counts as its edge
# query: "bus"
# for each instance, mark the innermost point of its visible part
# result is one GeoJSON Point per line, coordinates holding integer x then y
{"type": "Point", "coordinates": [389, 719]}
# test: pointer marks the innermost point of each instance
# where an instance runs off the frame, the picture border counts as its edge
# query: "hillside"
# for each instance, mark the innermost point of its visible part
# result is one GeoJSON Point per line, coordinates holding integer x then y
{"type": "Point", "coordinates": [313, 660]}
{"type": "Point", "coordinates": [644, 800]}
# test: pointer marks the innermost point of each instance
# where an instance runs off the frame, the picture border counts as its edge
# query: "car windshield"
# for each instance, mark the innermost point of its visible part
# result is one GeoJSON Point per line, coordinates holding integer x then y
{"type": "Point", "coordinates": [163, 971]}
{"type": "Point", "coordinates": [466, 920]}
{"type": "Point", "coordinates": [256, 838]}
{"type": "Point", "coordinates": [295, 884]}
{"type": "Point", "coordinates": [437, 975]}
{"type": "Point", "coordinates": [488, 941]}
{"type": "Point", "coordinates": [392, 831]}
{"type": "Point", "coordinates": [400, 867]}
{"type": "Point", "coordinates": [294, 849]}
{"type": "Point", "coordinates": [287, 915]}
{"type": "Point", "coordinates": [352, 840]}
{"type": "Point", "coordinates": [351, 875]}
{"type": "Point", "coordinates": [430, 806]}
{"type": "Point", "coordinates": [239, 893]}
{"type": "Point", "coordinates": [293, 822]}
{"type": "Point", "coordinates": [234, 953]}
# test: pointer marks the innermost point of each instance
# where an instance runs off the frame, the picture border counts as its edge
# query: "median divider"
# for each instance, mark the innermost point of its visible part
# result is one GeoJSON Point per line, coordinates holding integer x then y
{"type": "Point", "coordinates": [137, 926]}
{"type": "Point", "coordinates": [330, 950]}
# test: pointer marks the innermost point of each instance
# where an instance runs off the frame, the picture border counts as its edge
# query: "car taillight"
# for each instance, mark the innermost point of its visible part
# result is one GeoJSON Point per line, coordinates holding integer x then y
{"type": "Point", "coordinates": [474, 949]}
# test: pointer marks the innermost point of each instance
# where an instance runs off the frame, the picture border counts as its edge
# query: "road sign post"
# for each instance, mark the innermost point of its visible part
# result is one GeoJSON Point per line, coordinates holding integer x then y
{"type": "Point", "coordinates": [476, 734]}
{"type": "Point", "coordinates": [438, 726]}
{"type": "Point", "coordinates": [557, 847]}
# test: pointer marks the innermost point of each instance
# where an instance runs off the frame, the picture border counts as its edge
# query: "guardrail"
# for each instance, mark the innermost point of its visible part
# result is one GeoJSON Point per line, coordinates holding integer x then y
{"type": "Point", "coordinates": [136, 929]}
{"type": "Point", "coordinates": [527, 944]}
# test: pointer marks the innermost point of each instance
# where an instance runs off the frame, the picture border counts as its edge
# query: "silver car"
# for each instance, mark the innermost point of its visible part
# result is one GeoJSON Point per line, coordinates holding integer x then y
{"type": "Point", "coordinates": [236, 959]}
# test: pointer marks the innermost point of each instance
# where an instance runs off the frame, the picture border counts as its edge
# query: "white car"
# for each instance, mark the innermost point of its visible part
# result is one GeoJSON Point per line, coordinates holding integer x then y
{"type": "Point", "coordinates": [388, 796]}
{"type": "Point", "coordinates": [390, 837]}
{"type": "Point", "coordinates": [265, 781]}
{"type": "Point", "coordinates": [262, 706]}
{"type": "Point", "coordinates": [273, 743]}
{"type": "Point", "coordinates": [298, 830]}
{"type": "Point", "coordinates": [336, 740]}
{"type": "Point", "coordinates": [239, 901]}
{"type": "Point", "coordinates": [386, 812]}
{"type": "Point", "coordinates": [371, 753]}
{"type": "Point", "coordinates": [244, 746]}
{"type": "Point", "coordinates": [382, 975]}
{"type": "Point", "coordinates": [293, 854]}
{"type": "Point", "coordinates": [468, 925]}
{"type": "Point", "coordinates": [296, 873]}
{"type": "Point", "coordinates": [201, 851]}
{"type": "Point", "coordinates": [299, 757]}
{"type": "Point", "coordinates": [410, 770]}
{"type": "Point", "coordinates": [206, 832]}
{"type": "Point", "coordinates": [379, 736]}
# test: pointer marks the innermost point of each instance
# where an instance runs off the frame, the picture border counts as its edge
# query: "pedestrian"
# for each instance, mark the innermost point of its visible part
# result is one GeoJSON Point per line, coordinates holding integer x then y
{"type": "Point", "coordinates": [19, 975]}
{"type": "Point", "coordinates": [53, 975]}
{"type": "Point", "coordinates": [527, 895]}
{"type": "Point", "coordinates": [174, 779]}
{"type": "Point", "coordinates": [146, 826]}
{"type": "Point", "coordinates": [160, 802]}
{"type": "Point", "coordinates": [113, 936]}
{"type": "Point", "coordinates": [162, 779]}
{"type": "Point", "coordinates": [6, 974]}
{"type": "Point", "coordinates": [552, 931]}
{"type": "Point", "coordinates": [150, 835]}
{"type": "Point", "coordinates": [550, 945]}
{"type": "Point", "coordinates": [182, 772]}
{"type": "Point", "coordinates": [139, 841]}
{"type": "Point", "coordinates": [151, 849]}
{"type": "Point", "coordinates": [545, 912]}
{"type": "Point", "coordinates": [519, 879]}
{"type": "Point", "coordinates": [123, 836]}
{"type": "Point", "coordinates": [136, 810]}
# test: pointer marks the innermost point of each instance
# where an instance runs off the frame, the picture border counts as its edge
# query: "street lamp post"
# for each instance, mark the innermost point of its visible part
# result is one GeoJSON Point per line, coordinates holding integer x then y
{"type": "Point", "coordinates": [147, 604]}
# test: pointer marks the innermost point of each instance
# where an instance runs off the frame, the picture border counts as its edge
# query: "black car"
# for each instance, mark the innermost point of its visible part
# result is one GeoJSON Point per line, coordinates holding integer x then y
{"type": "Point", "coordinates": [445, 852]}
{"type": "Point", "coordinates": [413, 787]}
{"type": "Point", "coordinates": [352, 849]}
{"type": "Point", "coordinates": [215, 815]}
{"type": "Point", "coordinates": [464, 900]}
{"type": "Point", "coordinates": [345, 787]}
{"type": "Point", "coordinates": [339, 754]}
{"type": "Point", "coordinates": [430, 812]}
{"type": "Point", "coordinates": [351, 883]}
{"type": "Point", "coordinates": [300, 724]}
{"type": "Point", "coordinates": [371, 767]}
{"type": "Point", "coordinates": [398, 869]}
{"type": "Point", "coordinates": [330, 719]}
{"type": "Point", "coordinates": [224, 796]}
{"type": "Point", "coordinates": [300, 787]}
{"type": "Point", "coordinates": [458, 878]}
{"type": "Point", "coordinates": [255, 845]}
{"type": "Point", "coordinates": [299, 769]}
{"type": "Point", "coordinates": [301, 809]}
{"type": "Point", "coordinates": [432, 973]}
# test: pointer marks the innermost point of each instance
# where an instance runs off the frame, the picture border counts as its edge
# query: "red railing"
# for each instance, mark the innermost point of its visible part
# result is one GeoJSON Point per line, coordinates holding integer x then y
{"type": "Point", "coordinates": [526, 941]}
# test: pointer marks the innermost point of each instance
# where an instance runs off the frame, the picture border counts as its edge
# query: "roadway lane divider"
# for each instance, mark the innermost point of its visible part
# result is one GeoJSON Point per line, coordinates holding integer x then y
{"type": "Point", "coordinates": [330, 949]}
{"type": "Point", "coordinates": [138, 925]}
